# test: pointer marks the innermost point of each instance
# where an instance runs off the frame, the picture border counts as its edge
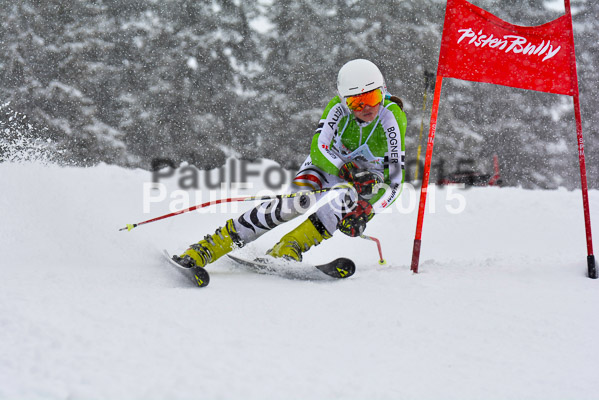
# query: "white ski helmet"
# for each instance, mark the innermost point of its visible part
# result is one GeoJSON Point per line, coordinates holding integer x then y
{"type": "Point", "coordinates": [359, 76]}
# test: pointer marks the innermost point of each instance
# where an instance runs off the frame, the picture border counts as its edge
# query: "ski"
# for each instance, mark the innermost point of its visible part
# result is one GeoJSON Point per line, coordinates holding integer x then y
{"type": "Point", "coordinates": [339, 268]}
{"type": "Point", "coordinates": [198, 275]}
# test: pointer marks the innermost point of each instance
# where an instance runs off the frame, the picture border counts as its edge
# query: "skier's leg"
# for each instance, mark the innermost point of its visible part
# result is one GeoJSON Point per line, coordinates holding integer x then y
{"type": "Point", "coordinates": [309, 233]}
{"type": "Point", "coordinates": [259, 220]}
{"type": "Point", "coordinates": [317, 228]}
{"type": "Point", "coordinates": [335, 210]}
{"type": "Point", "coordinates": [266, 216]}
{"type": "Point", "coordinates": [212, 247]}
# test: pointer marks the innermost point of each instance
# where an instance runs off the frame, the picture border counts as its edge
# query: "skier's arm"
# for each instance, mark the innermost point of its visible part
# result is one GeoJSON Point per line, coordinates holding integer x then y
{"type": "Point", "coordinates": [394, 124]}
{"type": "Point", "coordinates": [320, 152]}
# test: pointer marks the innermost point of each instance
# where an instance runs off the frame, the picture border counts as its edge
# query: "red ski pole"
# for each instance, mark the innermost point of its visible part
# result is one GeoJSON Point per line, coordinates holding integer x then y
{"type": "Point", "coordinates": [128, 227]}
{"type": "Point", "coordinates": [378, 245]}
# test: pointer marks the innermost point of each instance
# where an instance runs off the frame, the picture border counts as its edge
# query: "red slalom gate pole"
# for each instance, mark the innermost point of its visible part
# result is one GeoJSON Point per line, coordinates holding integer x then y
{"type": "Point", "coordinates": [592, 270]}
{"type": "Point", "coordinates": [426, 175]}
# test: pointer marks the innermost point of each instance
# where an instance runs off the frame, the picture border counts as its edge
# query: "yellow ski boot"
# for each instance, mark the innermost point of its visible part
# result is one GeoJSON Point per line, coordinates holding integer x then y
{"type": "Point", "coordinates": [309, 233]}
{"type": "Point", "coordinates": [211, 248]}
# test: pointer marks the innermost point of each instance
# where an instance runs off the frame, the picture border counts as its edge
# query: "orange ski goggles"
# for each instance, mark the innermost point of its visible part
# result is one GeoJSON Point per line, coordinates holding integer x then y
{"type": "Point", "coordinates": [359, 101]}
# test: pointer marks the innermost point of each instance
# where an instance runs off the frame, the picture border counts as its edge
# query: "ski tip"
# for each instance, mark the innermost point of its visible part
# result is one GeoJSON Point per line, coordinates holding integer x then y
{"type": "Point", "coordinates": [202, 277]}
{"type": "Point", "coordinates": [345, 267]}
{"type": "Point", "coordinates": [340, 268]}
{"type": "Point", "coordinates": [198, 275]}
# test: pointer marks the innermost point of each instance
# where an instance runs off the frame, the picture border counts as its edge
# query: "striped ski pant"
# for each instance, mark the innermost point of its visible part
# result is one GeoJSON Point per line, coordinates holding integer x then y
{"type": "Point", "coordinates": [270, 214]}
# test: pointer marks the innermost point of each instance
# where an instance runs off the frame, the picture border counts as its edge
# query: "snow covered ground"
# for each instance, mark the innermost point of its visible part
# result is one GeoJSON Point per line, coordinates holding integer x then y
{"type": "Point", "coordinates": [502, 308]}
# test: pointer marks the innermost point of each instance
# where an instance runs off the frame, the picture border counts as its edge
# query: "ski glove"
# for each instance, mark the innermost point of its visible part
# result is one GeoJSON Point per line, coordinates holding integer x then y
{"type": "Point", "coordinates": [363, 181]}
{"type": "Point", "coordinates": [354, 223]}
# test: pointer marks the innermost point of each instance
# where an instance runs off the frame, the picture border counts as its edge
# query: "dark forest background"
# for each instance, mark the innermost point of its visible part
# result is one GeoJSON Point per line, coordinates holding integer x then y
{"type": "Point", "coordinates": [127, 82]}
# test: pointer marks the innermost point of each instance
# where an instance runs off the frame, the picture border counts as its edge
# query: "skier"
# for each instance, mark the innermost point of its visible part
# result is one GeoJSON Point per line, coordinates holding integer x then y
{"type": "Point", "coordinates": [360, 141]}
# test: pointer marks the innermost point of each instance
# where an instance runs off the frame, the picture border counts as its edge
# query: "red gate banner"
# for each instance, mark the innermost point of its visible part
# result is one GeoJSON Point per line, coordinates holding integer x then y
{"type": "Point", "coordinates": [478, 46]}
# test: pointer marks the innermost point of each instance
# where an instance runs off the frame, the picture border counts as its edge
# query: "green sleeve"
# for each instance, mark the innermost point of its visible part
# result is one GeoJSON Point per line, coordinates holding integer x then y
{"type": "Point", "coordinates": [319, 159]}
{"type": "Point", "coordinates": [320, 152]}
